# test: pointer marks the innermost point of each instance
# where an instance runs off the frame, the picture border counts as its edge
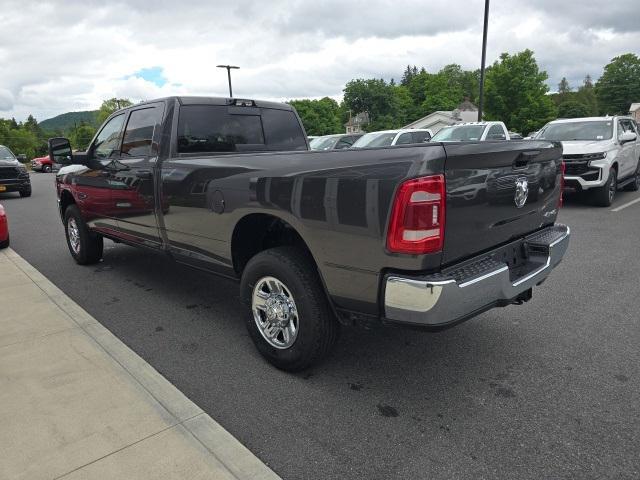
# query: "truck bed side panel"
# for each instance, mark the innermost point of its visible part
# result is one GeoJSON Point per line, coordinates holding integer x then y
{"type": "Point", "coordinates": [338, 201]}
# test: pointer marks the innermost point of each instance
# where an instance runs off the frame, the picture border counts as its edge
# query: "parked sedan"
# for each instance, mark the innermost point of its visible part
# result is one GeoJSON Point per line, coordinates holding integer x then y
{"type": "Point", "coordinates": [42, 164]}
{"type": "Point", "coordinates": [4, 228]}
{"type": "Point", "coordinates": [388, 138]}
{"type": "Point", "coordinates": [334, 142]}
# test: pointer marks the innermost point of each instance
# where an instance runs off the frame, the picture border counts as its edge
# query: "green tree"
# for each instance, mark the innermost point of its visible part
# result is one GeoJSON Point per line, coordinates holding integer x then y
{"type": "Point", "coordinates": [377, 98]}
{"type": "Point", "coordinates": [81, 135]}
{"type": "Point", "coordinates": [319, 117]}
{"type": "Point", "coordinates": [586, 95]}
{"type": "Point", "coordinates": [619, 85]}
{"type": "Point", "coordinates": [110, 106]}
{"type": "Point", "coordinates": [409, 73]}
{"type": "Point", "coordinates": [516, 93]}
{"type": "Point", "coordinates": [573, 109]}
{"type": "Point", "coordinates": [563, 86]}
{"type": "Point", "coordinates": [19, 138]}
{"type": "Point", "coordinates": [564, 91]}
{"type": "Point", "coordinates": [443, 90]}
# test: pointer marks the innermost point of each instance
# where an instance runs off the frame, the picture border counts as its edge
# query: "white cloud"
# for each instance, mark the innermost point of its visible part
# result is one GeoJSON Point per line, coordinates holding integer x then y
{"type": "Point", "coordinates": [70, 55]}
{"type": "Point", "coordinates": [6, 100]}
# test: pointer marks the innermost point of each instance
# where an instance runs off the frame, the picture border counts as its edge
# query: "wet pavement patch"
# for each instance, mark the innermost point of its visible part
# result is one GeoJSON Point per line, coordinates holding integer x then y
{"type": "Point", "coordinates": [387, 410]}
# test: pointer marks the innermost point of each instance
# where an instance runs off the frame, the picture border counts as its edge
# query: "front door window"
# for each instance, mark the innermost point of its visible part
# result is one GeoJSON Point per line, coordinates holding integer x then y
{"type": "Point", "coordinates": [108, 140]}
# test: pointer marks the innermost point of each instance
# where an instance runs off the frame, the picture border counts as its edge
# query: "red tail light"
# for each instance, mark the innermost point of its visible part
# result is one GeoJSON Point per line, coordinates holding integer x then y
{"type": "Point", "coordinates": [418, 216]}
{"type": "Point", "coordinates": [563, 168]}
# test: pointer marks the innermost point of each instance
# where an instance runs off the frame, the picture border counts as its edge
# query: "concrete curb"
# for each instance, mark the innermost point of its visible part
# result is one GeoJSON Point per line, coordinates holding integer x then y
{"type": "Point", "coordinates": [226, 449]}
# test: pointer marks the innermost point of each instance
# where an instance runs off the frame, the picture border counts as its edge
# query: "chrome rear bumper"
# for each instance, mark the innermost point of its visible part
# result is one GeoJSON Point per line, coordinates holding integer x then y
{"type": "Point", "coordinates": [477, 285]}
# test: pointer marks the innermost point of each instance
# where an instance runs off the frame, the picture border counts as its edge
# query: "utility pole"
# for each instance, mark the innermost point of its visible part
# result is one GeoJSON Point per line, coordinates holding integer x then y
{"type": "Point", "coordinates": [229, 67]}
{"type": "Point", "coordinates": [484, 57]}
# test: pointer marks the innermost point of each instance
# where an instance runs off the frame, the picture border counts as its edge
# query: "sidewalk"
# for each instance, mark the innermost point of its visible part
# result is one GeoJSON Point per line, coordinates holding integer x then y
{"type": "Point", "coordinates": [76, 403]}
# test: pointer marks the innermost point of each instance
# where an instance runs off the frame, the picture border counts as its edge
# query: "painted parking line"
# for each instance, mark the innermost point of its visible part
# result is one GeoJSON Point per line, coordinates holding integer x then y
{"type": "Point", "coordinates": [625, 205]}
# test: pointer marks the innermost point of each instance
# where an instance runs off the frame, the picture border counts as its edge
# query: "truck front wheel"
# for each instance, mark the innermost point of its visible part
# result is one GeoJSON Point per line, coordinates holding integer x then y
{"type": "Point", "coordinates": [605, 194]}
{"type": "Point", "coordinates": [634, 186]}
{"type": "Point", "coordinates": [85, 246]}
{"type": "Point", "coordinates": [290, 320]}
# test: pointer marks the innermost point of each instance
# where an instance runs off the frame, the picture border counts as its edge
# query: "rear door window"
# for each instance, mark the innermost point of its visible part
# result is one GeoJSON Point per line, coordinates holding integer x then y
{"type": "Point", "coordinates": [404, 139]}
{"type": "Point", "coordinates": [138, 135]}
{"type": "Point", "coordinates": [420, 137]}
{"type": "Point", "coordinates": [217, 128]}
{"type": "Point", "coordinates": [282, 130]}
{"type": "Point", "coordinates": [344, 142]}
{"type": "Point", "coordinates": [496, 133]}
{"type": "Point", "coordinates": [628, 126]}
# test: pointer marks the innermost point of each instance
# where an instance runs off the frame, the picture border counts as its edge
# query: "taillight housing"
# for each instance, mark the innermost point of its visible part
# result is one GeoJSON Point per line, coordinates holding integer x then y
{"type": "Point", "coordinates": [418, 216]}
{"type": "Point", "coordinates": [563, 168]}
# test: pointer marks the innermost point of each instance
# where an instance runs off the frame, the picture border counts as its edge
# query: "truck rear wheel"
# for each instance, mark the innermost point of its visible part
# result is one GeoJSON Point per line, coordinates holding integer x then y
{"type": "Point", "coordinates": [604, 195]}
{"type": "Point", "coordinates": [85, 246]}
{"type": "Point", "coordinates": [5, 243]}
{"type": "Point", "coordinates": [290, 321]}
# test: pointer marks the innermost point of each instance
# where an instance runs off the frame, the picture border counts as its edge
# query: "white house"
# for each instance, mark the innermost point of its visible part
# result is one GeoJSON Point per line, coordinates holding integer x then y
{"type": "Point", "coordinates": [356, 123]}
{"type": "Point", "coordinates": [466, 112]}
{"type": "Point", "coordinates": [634, 111]}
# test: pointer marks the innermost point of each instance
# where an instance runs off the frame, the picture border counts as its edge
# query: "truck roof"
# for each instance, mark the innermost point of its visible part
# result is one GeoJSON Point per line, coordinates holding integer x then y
{"type": "Point", "coordinates": [589, 119]}
{"type": "Point", "coordinates": [487, 122]}
{"type": "Point", "coordinates": [403, 130]}
{"type": "Point", "coordinates": [195, 100]}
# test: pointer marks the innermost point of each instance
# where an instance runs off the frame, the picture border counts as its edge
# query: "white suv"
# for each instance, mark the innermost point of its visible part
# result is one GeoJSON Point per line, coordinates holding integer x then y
{"type": "Point", "coordinates": [601, 154]}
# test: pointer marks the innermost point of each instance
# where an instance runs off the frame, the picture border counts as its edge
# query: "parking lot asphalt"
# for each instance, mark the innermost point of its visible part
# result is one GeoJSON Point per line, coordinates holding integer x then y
{"type": "Point", "coordinates": [550, 389]}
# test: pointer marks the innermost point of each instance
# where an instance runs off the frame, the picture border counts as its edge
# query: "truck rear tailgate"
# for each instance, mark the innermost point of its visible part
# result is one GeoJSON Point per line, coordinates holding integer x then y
{"type": "Point", "coordinates": [497, 192]}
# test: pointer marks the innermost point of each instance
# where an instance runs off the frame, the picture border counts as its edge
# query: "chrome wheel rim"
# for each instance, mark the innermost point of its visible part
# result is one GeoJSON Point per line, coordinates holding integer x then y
{"type": "Point", "coordinates": [74, 235]}
{"type": "Point", "coordinates": [275, 312]}
{"type": "Point", "coordinates": [612, 186]}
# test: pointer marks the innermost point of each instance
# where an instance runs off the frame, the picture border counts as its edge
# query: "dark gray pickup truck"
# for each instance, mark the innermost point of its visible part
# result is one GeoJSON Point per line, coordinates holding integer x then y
{"type": "Point", "coordinates": [424, 235]}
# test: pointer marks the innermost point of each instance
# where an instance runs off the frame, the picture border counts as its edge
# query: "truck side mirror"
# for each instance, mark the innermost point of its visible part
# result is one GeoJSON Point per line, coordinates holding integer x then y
{"type": "Point", "coordinates": [60, 151]}
{"type": "Point", "coordinates": [22, 158]}
{"type": "Point", "coordinates": [627, 137]}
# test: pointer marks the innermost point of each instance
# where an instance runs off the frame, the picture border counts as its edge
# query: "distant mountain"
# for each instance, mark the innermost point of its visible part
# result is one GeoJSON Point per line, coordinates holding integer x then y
{"type": "Point", "coordinates": [67, 120]}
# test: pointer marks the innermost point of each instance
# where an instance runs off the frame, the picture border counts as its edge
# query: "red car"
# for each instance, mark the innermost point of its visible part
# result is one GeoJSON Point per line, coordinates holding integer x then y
{"type": "Point", "coordinates": [4, 229]}
{"type": "Point", "coordinates": [42, 164]}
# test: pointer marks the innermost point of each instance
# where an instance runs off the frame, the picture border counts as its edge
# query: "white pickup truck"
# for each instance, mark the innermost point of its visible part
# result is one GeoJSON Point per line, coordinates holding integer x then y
{"type": "Point", "coordinates": [472, 132]}
{"type": "Point", "coordinates": [601, 154]}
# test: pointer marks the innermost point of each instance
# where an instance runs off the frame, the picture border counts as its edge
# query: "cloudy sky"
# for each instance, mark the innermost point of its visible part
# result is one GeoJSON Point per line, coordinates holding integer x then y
{"type": "Point", "coordinates": [70, 55]}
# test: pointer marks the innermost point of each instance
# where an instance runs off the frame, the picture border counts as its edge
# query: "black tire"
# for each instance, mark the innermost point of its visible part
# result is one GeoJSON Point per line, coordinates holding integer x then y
{"type": "Point", "coordinates": [318, 329]}
{"type": "Point", "coordinates": [89, 245]}
{"type": "Point", "coordinates": [26, 192]}
{"type": "Point", "coordinates": [604, 195]}
{"type": "Point", "coordinates": [46, 168]}
{"type": "Point", "coordinates": [5, 243]}
{"type": "Point", "coordinates": [634, 186]}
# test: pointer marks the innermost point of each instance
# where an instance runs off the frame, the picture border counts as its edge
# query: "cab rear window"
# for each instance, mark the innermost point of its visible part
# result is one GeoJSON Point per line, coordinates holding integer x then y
{"type": "Point", "coordinates": [216, 128]}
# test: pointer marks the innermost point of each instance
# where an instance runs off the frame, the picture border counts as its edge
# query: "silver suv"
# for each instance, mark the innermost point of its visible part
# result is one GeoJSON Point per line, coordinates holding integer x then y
{"type": "Point", "coordinates": [601, 154]}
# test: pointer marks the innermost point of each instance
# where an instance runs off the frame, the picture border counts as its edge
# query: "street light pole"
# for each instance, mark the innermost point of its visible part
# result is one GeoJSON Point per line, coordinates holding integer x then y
{"type": "Point", "coordinates": [229, 67]}
{"type": "Point", "coordinates": [484, 56]}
